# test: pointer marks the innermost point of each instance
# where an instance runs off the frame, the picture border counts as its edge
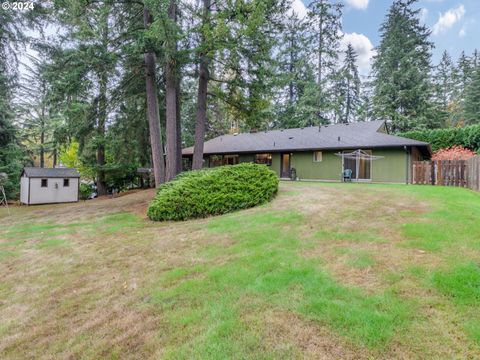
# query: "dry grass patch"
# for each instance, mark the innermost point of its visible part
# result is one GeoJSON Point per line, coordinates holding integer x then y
{"type": "Point", "coordinates": [324, 271]}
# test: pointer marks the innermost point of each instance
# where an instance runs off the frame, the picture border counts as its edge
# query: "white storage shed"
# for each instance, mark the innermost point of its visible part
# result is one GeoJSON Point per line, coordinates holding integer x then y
{"type": "Point", "coordinates": [48, 186]}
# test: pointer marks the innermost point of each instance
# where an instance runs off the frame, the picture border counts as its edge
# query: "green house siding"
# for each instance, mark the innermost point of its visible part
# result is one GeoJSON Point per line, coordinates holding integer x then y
{"type": "Point", "coordinates": [330, 168]}
{"type": "Point", "coordinates": [276, 163]}
{"type": "Point", "coordinates": [391, 168]}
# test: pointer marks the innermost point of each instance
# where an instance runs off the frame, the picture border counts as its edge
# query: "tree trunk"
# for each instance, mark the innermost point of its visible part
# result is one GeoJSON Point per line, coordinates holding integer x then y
{"type": "Point", "coordinates": [55, 156]}
{"type": "Point", "coordinates": [291, 67]}
{"type": "Point", "coordinates": [102, 115]}
{"type": "Point", "coordinates": [347, 113]}
{"type": "Point", "coordinates": [158, 161]}
{"type": "Point", "coordinates": [102, 118]}
{"type": "Point", "coordinates": [179, 122]}
{"type": "Point", "coordinates": [171, 101]}
{"type": "Point", "coordinates": [201, 115]}
{"type": "Point", "coordinates": [42, 149]}
{"type": "Point", "coordinates": [42, 136]}
{"type": "Point", "coordinates": [320, 46]}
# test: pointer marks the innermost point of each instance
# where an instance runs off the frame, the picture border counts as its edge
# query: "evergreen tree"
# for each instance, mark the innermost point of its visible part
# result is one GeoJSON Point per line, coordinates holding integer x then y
{"type": "Point", "coordinates": [472, 99]}
{"type": "Point", "coordinates": [444, 85]}
{"type": "Point", "coordinates": [11, 153]}
{"type": "Point", "coordinates": [364, 112]}
{"type": "Point", "coordinates": [326, 29]}
{"type": "Point", "coordinates": [295, 74]}
{"type": "Point", "coordinates": [444, 89]}
{"type": "Point", "coordinates": [205, 51]}
{"type": "Point", "coordinates": [401, 69]}
{"type": "Point", "coordinates": [171, 92]}
{"type": "Point", "coordinates": [462, 76]}
{"type": "Point", "coordinates": [349, 86]}
{"type": "Point", "coordinates": [153, 114]}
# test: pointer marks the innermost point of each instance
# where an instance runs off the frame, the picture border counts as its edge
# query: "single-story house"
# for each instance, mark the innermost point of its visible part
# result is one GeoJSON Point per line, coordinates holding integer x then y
{"type": "Point", "coordinates": [46, 186]}
{"type": "Point", "coordinates": [322, 152]}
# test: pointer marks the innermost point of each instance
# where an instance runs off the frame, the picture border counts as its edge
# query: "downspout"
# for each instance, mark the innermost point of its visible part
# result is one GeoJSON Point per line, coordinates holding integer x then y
{"type": "Point", "coordinates": [407, 164]}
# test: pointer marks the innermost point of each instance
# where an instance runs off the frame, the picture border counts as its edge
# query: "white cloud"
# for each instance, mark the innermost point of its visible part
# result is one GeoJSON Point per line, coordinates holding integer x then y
{"type": "Point", "coordinates": [363, 47]}
{"type": "Point", "coordinates": [462, 32]}
{"type": "Point", "coordinates": [448, 19]}
{"type": "Point", "coordinates": [299, 8]}
{"type": "Point", "coordinates": [423, 15]}
{"type": "Point", "coordinates": [358, 4]}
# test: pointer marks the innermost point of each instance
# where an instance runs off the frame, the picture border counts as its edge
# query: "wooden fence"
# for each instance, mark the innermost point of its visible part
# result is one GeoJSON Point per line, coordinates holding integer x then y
{"type": "Point", "coordinates": [463, 173]}
{"type": "Point", "coordinates": [473, 176]}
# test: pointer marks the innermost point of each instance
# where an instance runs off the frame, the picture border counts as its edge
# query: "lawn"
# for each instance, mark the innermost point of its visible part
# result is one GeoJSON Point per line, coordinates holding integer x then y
{"type": "Point", "coordinates": [323, 271]}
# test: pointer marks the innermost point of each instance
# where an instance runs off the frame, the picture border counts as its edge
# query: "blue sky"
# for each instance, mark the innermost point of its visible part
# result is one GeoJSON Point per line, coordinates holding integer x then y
{"type": "Point", "coordinates": [454, 24]}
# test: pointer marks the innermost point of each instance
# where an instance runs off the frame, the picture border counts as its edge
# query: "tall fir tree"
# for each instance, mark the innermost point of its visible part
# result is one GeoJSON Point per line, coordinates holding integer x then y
{"type": "Point", "coordinates": [364, 112]}
{"type": "Point", "coordinates": [401, 69]}
{"type": "Point", "coordinates": [349, 86]}
{"type": "Point", "coordinates": [326, 31]}
{"type": "Point", "coordinates": [472, 99]}
{"type": "Point", "coordinates": [205, 52]}
{"type": "Point", "coordinates": [444, 90]}
{"type": "Point", "coordinates": [153, 114]}
{"type": "Point", "coordinates": [295, 74]}
{"type": "Point", "coordinates": [463, 75]}
{"type": "Point", "coordinates": [12, 38]}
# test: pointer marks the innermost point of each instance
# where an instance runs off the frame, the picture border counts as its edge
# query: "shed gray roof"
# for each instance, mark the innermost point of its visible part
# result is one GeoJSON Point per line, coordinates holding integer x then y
{"type": "Point", "coordinates": [364, 135]}
{"type": "Point", "coordinates": [50, 173]}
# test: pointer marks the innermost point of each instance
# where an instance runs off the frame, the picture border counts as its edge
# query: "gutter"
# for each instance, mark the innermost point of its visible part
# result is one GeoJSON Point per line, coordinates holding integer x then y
{"type": "Point", "coordinates": [407, 164]}
{"type": "Point", "coordinates": [260, 151]}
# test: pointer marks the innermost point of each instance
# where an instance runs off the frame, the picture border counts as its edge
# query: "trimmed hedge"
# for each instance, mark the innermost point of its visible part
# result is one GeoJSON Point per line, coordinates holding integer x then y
{"type": "Point", "coordinates": [468, 137]}
{"type": "Point", "coordinates": [215, 191]}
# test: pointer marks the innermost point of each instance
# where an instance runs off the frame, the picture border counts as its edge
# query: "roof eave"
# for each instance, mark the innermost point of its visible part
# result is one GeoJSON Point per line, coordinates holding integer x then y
{"type": "Point", "coordinates": [332, 148]}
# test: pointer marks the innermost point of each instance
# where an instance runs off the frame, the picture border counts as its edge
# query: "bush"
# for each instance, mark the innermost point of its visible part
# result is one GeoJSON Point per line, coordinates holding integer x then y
{"type": "Point", "coordinates": [455, 152]}
{"type": "Point", "coordinates": [468, 137]}
{"type": "Point", "coordinates": [85, 191]}
{"type": "Point", "coordinates": [214, 191]}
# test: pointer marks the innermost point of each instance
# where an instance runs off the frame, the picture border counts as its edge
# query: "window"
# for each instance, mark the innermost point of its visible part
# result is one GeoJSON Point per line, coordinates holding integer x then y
{"type": "Point", "coordinates": [317, 156]}
{"type": "Point", "coordinates": [230, 159]}
{"type": "Point", "coordinates": [215, 160]}
{"type": "Point", "coordinates": [44, 183]}
{"type": "Point", "coordinates": [265, 159]}
{"type": "Point", "coordinates": [66, 182]}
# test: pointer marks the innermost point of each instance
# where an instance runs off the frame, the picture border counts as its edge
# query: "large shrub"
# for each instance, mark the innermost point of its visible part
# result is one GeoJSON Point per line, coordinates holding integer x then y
{"type": "Point", "coordinates": [86, 191]}
{"type": "Point", "coordinates": [455, 152]}
{"type": "Point", "coordinates": [468, 137]}
{"type": "Point", "coordinates": [213, 191]}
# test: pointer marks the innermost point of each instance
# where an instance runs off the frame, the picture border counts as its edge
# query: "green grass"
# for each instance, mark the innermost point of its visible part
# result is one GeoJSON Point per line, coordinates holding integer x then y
{"type": "Point", "coordinates": [371, 279]}
{"type": "Point", "coordinates": [265, 269]}
{"type": "Point", "coordinates": [51, 235]}
{"type": "Point", "coordinates": [52, 243]}
{"type": "Point", "coordinates": [462, 283]}
{"type": "Point", "coordinates": [452, 222]}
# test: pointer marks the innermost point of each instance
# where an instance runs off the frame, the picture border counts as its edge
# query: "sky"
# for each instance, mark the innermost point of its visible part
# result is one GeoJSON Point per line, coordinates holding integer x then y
{"type": "Point", "coordinates": [454, 24]}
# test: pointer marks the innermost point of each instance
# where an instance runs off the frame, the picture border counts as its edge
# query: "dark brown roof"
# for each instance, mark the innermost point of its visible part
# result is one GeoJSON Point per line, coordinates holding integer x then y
{"type": "Point", "coordinates": [368, 134]}
{"type": "Point", "coordinates": [50, 172]}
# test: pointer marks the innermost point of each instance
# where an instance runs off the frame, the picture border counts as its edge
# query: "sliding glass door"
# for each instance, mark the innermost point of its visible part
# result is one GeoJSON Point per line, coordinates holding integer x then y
{"type": "Point", "coordinates": [361, 167]}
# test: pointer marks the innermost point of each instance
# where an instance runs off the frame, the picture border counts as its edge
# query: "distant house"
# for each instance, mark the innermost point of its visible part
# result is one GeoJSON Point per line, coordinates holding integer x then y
{"type": "Point", "coordinates": [316, 152]}
{"type": "Point", "coordinates": [46, 186]}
